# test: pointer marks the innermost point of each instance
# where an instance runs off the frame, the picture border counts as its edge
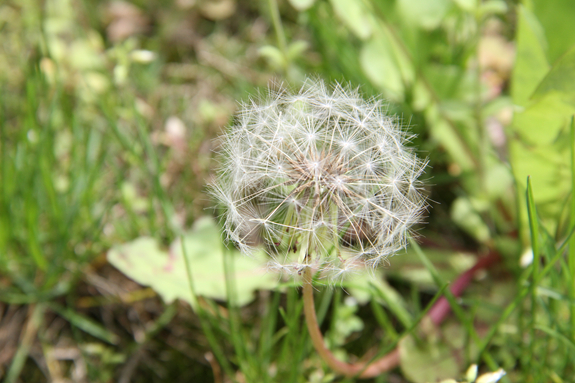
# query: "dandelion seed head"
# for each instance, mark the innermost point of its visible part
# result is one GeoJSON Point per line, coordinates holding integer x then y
{"type": "Point", "coordinates": [320, 178]}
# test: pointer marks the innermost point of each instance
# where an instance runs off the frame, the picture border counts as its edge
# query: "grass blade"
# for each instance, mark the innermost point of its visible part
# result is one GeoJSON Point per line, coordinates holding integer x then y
{"type": "Point", "coordinates": [572, 225]}
{"type": "Point", "coordinates": [239, 341]}
{"type": "Point", "coordinates": [557, 335]}
{"type": "Point", "coordinates": [534, 233]}
{"type": "Point", "coordinates": [85, 324]}
{"type": "Point", "coordinates": [204, 321]}
{"type": "Point", "coordinates": [458, 311]}
{"type": "Point", "coordinates": [30, 331]}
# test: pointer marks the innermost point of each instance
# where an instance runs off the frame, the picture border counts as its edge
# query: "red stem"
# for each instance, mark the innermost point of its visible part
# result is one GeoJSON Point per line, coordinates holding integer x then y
{"type": "Point", "coordinates": [389, 361]}
{"type": "Point", "coordinates": [441, 308]}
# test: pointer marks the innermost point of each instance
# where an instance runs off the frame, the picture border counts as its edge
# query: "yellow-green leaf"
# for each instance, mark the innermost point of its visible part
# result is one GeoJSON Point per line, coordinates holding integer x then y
{"type": "Point", "coordinates": [425, 13]}
{"type": "Point", "coordinates": [164, 270]}
{"type": "Point", "coordinates": [378, 62]}
{"type": "Point", "coordinates": [560, 79]}
{"type": "Point", "coordinates": [354, 14]}
{"type": "Point", "coordinates": [531, 64]}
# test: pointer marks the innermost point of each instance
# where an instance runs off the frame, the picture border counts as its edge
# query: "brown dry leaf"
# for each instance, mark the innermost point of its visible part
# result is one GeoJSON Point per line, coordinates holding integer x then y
{"type": "Point", "coordinates": [125, 20]}
{"type": "Point", "coordinates": [175, 134]}
{"type": "Point", "coordinates": [218, 9]}
{"type": "Point", "coordinates": [10, 328]}
{"type": "Point", "coordinates": [185, 4]}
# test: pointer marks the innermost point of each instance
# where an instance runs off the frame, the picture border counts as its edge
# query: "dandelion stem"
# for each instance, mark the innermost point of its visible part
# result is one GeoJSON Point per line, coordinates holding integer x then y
{"type": "Point", "coordinates": [361, 370]}
{"type": "Point", "coordinates": [391, 360]}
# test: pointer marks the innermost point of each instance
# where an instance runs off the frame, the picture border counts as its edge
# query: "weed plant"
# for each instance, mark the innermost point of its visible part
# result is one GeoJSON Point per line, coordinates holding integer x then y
{"type": "Point", "coordinates": [108, 111]}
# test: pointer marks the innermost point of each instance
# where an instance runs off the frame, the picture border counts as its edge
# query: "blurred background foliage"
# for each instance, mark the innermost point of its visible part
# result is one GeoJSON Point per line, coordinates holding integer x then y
{"type": "Point", "coordinates": [107, 117]}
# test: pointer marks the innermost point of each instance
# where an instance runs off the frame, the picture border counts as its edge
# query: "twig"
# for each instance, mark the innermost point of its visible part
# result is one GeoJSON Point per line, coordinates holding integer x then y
{"type": "Point", "coordinates": [36, 312]}
{"type": "Point", "coordinates": [215, 367]}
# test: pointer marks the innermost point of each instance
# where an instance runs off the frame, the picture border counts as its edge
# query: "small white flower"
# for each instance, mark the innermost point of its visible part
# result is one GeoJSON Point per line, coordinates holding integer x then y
{"type": "Point", "coordinates": [491, 377]}
{"type": "Point", "coordinates": [142, 56]}
{"type": "Point", "coordinates": [320, 178]}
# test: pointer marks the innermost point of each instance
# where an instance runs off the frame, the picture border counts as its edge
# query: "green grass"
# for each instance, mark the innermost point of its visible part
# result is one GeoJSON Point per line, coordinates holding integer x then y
{"type": "Point", "coordinates": [86, 163]}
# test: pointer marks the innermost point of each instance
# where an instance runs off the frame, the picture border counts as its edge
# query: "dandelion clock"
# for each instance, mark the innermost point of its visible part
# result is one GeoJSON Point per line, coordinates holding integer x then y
{"type": "Point", "coordinates": [321, 179]}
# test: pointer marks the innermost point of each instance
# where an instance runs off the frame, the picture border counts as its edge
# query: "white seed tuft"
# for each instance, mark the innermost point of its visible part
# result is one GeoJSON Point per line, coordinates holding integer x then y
{"type": "Point", "coordinates": [321, 178]}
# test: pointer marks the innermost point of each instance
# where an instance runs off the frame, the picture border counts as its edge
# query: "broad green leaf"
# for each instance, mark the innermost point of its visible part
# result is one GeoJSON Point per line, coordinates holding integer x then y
{"type": "Point", "coordinates": [296, 48]}
{"type": "Point", "coordinates": [547, 164]}
{"type": "Point", "coordinates": [449, 81]}
{"type": "Point", "coordinates": [540, 148]}
{"type": "Point", "coordinates": [379, 64]}
{"type": "Point", "coordinates": [531, 64]}
{"type": "Point", "coordinates": [445, 134]}
{"type": "Point", "coordinates": [422, 96]}
{"type": "Point", "coordinates": [543, 120]}
{"type": "Point", "coordinates": [498, 179]}
{"type": "Point", "coordinates": [423, 362]}
{"type": "Point", "coordinates": [425, 13]}
{"type": "Point", "coordinates": [540, 145]}
{"type": "Point", "coordinates": [164, 271]}
{"type": "Point", "coordinates": [560, 79]}
{"type": "Point", "coordinates": [301, 5]}
{"type": "Point", "coordinates": [492, 7]}
{"type": "Point", "coordinates": [465, 216]}
{"type": "Point", "coordinates": [556, 17]}
{"type": "Point", "coordinates": [354, 14]}
{"type": "Point", "coordinates": [273, 55]}
{"type": "Point", "coordinates": [466, 5]}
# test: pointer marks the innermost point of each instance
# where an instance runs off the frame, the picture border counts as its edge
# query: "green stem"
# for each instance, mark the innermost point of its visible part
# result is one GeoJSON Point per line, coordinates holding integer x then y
{"type": "Point", "coordinates": [534, 230]}
{"type": "Point", "coordinates": [278, 28]}
{"type": "Point", "coordinates": [572, 221]}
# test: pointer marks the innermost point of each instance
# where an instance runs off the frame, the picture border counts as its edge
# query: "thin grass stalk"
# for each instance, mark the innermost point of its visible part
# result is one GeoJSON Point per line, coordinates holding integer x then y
{"type": "Point", "coordinates": [266, 341]}
{"type": "Point", "coordinates": [239, 341]}
{"type": "Point", "coordinates": [451, 299]}
{"type": "Point", "coordinates": [296, 353]}
{"type": "Point", "coordinates": [572, 226]}
{"type": "Point", "coordinates": [534, 232]}
{"type": "Point", "coordinates": [522, 294]}
{"type": "Point", "coordinates": [29, 334]}
{"type": "Point", "coordinates": [204, 322]}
